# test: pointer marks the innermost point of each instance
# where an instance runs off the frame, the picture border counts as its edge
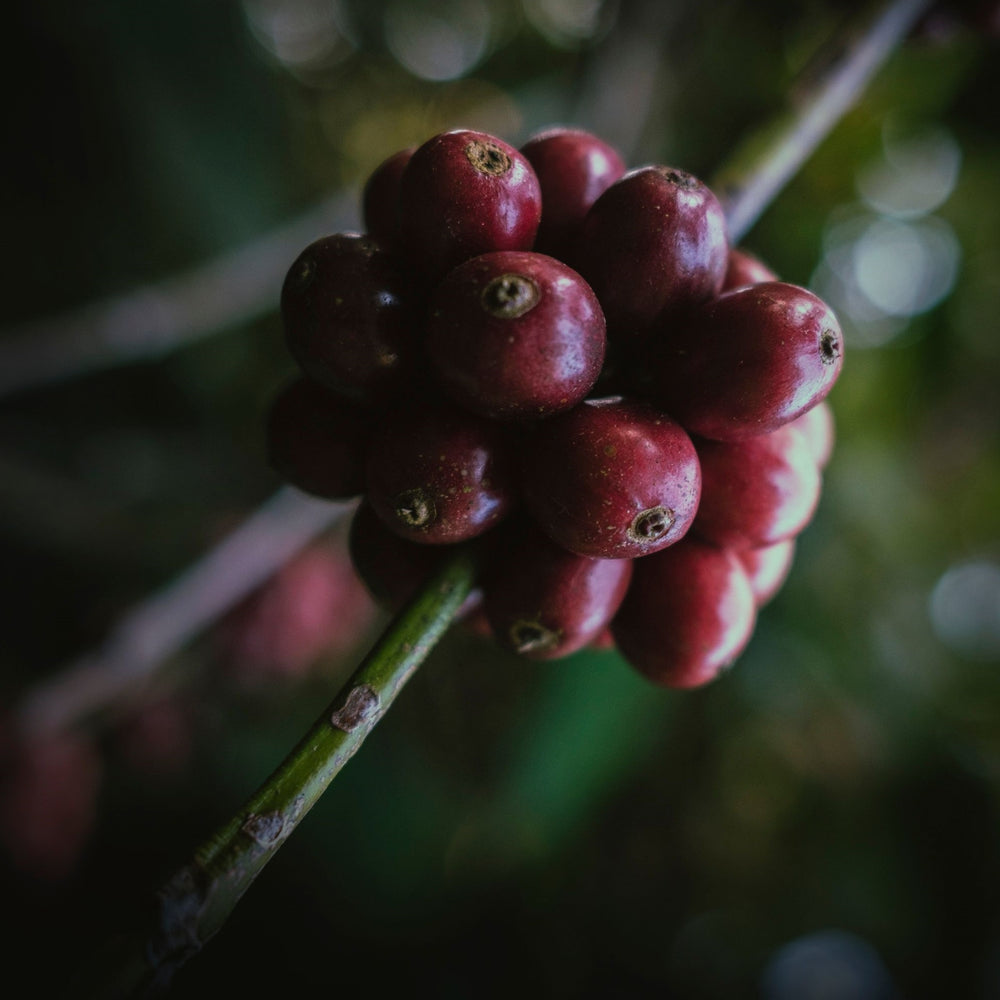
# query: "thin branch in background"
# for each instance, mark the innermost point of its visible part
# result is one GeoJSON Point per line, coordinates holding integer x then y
{"type": "Point", "coordinates": [151, 321]}
{"type": "Point", "coordinates": [165, 622]}
{"type": "Point", "coordinates": [764, 163]}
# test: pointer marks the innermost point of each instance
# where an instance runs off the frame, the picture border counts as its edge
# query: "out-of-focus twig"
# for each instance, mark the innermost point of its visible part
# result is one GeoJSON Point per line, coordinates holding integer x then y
{"type": "Point", "coordinates": [761, 166]}
{"type": "Point", "coordinates": [165, 622]}
{"type": "Point", "coordinates": [155, 319]}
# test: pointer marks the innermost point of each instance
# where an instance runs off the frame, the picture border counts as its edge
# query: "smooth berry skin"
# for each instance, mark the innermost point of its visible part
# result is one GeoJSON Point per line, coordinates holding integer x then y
{"type": "Point", "coordinates": [545, 602]}
{"type": "Point", "coordinates": [574, 168]}
{"type": "Point", "coordinates": [462, 194]}
{"type": "Point", "coordinates": [380, 199]}
{"type": "Point", "coordinates": [439, 475]}
{"type": "Point", "coordinates": [767, 567]}
{"type": "Point", "coordinates": [744, 269]}
{"type": "Point", "coordinates": [351, 317]}
{"type": "Point", "coordinates": [817, 424]}
{"type": "Point", "coordinates": [611, 479]}
{"type": "Point", "coordinates": [688, 614]}
{"type": "Point", "coordinates": [757, 491]}
{"type": "Point", "coordinates": [749, 361]}
{"type": "Point", "coordinates": [317, 441]}
{"type": "Point", "coordinates": [515, 335]}
{"type": "Point", "coordinates": [394, 569]}
{"type": "Point", "coordinates": [653, 244]}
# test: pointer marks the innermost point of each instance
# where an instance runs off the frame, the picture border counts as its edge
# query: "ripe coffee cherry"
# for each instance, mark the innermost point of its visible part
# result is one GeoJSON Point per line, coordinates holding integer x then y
{"type": "Point", "coordinates": [317, 441]}
{"type": "Point", "coordinates": [466, 193]}
{"type": "Point", "coordinates": [545, 602]}
{"type": "Point", "coordinates": [574, 169]}
{"type": "Point", "coordinates": [745, 269]}
{"type": "Point", "coordinates": [351, 318]}
{"type": "Point", "coordinates": [436, 474]}
{"type": "Point", "coordinates": [611, 479]}
{"type": "Point", "coordinates": [652, 244]}
{"type": "Point", "coordinates": [393, 569]}
{"type": "Point", "coordinates": [767, 568]}
{"type": "Point", "coordinates": [380, 199]}
{"type": "Point", "coordinates": [514, 335]}
{"type": "Point", "coordinates": [688, 614]}
{"type": "Point", "coordinates": [749, 361]}
{"type": "Point", "coordinates": [758, 491]}
{"type": "Point", "coordinates": [818, 427]}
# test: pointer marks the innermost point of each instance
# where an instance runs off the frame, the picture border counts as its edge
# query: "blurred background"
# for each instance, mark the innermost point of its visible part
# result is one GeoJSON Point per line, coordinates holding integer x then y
{"type": "Point", "coordinates": [821, 822]}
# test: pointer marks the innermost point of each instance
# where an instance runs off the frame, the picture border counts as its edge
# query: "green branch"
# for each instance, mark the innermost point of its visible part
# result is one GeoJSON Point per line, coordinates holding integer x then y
{"type": "Point", "coordinates": [198, 899]}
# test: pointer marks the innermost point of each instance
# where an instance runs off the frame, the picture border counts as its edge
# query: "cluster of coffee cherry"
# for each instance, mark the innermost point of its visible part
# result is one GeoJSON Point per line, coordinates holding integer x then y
{"type": "Point", "coordinates": [566, 362]}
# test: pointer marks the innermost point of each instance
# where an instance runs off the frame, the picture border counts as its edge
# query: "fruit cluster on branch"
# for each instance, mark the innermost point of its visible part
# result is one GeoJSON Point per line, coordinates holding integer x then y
{"type": "Point", "coordinates": [564, 362]}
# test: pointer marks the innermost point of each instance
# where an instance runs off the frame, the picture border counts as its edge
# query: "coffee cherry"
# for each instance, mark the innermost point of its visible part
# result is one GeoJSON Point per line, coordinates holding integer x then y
{"type": "Point", "coordinates": [544, 602]}
{"type": "Point", "coordinates": [439, 475]}
{"type": "Point", "coordinates": [515, 335]}
{"type": "Point", "coordinates": [756, 491]}
{"type": "Point", "coordinates": [317, 441]}
{"type": "Point", "coordinates": [392, 568]}
{"type": "Point", "coordinates": [749, 361]}
{"type": "Point", "coordinates": [653, 244]}
{"type": "Point", "coordinates": [611, 479]}
{"type": "Point", "coordinates": [462, 194]}
{"type": "Point", "coordinates": [573, 168]}
{"type": "Point", "coordinates": [818, 427]}
{"type": "Point", "coordinates": [688, 614]}
{"type": "Point", "coordinates": [745, 269]}
{"type": "Point", "coordinates": [767, 567]}
{"type": "Point", "coordinates": [380, 199]}
{"type": "Point", "coordinates": [351, 317]}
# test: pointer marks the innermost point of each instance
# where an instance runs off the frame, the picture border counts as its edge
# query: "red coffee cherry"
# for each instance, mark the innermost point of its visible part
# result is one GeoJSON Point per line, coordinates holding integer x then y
{"type": "Point", "coordinates": [351, 317]}
{"type": "Point", "coordinates": [756, 491]}
{"type": "Point", "coordinates": [394, 569]}
{"type": "Point", "coordinates": [439, 475]}
{"type": "Point", "coordinates": [653, 244]}
{"type": "Point", "coordinates": [749, 361]}
{"type": "Point", "coordinates": [745, 269]}
{"type": "Point", "coordinates": [544, 602]}
{"type": "Point", "coordinates": [688, 614]}
{"type": "Point", "coordinates": [611, 479]}
{"type": "Point", "coordinates": [380, 199]}
{"type": "Point", "coordinates": [465, 193]}
{"type": "Point", "coordinates": [767, 568]}
{"type": "Point", "coordinates": [317, 441]}
{"type": "Point", "coordinates": [515, 335]}
{"type": "Point", "coordinates": [574, 168]}
{"type": "Point", "coordinates": [817, 425]}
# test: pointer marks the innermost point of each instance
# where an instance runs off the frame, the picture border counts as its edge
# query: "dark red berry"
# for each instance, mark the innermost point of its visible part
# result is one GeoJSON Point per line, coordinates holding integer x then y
{"type": "Point", "coordinates": [351, 318]}
{"type": "Point", "coordinates": [756, 491]}
{"type": "Point", "coordinates": [745, 269]}
{"type": "Point", "coordinates": [688, 614]}
{"type": "Point", "coordinates": [380, 199]}
{"type": "Point", "coordinates": [611, 479]}
{"type": "Point", "coordinates": [438, 474]}
{"type": "Point", "coordinates": [545, 602]}
{"type": "Point", "coordinates": [394, 569]}
{"type": "Point", "coordinates": [465, 193]}
{"type": "Point", "coordinates": [515, 335]}
{"type": "Point", "coordinates": [653, 244]}
{"type": "Point", "coordinates": [767, 568]}
{"type": "Point", "coordinates": [749, 361]}
{"type": "Point", "coordinates": [317, 441]}
{"type": "Point", "coordinates": [574, 168]}
{"type": "Point", "coordinates": [817, 425]}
